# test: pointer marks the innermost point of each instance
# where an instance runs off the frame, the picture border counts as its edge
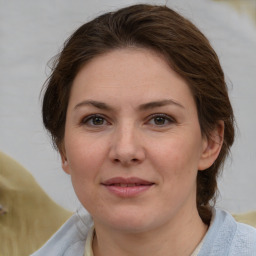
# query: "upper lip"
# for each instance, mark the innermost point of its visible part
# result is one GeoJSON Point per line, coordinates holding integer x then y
{"type": "Point", "coordinates": [122, 180]}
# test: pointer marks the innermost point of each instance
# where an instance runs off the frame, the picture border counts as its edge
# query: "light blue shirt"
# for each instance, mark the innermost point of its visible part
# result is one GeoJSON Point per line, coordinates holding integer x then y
{"type": "Point", "coordinates": [225, 237]}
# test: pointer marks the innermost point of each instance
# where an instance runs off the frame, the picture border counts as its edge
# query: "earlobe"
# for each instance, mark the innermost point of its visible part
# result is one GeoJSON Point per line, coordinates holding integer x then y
{"type": "Point", "coordinates": [212, 147]}
{"type": "Point", "coordinates": [65, 166]}
{"type": "Point", "coordinates": [64, 161]}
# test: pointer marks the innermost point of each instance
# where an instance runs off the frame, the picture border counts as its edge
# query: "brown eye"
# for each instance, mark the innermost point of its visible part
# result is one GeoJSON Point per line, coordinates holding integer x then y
{"type": "Point", "coordinates": [94, 120]}
{"type": "Point", "coordinates": [97, 120]}
{"type": "Point", "coordinates": [160, 120]}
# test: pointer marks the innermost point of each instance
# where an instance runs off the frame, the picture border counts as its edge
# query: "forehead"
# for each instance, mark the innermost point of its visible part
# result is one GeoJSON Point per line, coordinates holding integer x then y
{"type": "Point", "coordinates": [130, 74]}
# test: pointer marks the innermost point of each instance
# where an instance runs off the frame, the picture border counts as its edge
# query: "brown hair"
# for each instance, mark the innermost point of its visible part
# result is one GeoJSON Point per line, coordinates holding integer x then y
{"type": "Point", "coordinates": [184, 47]}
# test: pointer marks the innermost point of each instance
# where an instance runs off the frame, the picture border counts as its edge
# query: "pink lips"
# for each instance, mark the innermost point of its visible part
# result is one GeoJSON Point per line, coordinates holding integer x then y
{"type": "Point", "coordinates": [127, 187]}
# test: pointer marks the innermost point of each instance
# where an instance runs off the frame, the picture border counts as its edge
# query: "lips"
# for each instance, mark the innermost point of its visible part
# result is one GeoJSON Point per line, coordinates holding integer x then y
{"type": "Point", "coordinates": [127, 187]}
{"type": "Point", "coordinates": [127, 184]}
{"type": "Point", "coordinates": [119, 181]}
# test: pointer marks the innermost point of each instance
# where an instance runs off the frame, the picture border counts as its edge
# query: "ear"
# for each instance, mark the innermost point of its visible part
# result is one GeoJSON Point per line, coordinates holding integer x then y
{"type": "Point", "coordinates": [211, 147]}
{"type": "Point", "coordinates": [64, 160]}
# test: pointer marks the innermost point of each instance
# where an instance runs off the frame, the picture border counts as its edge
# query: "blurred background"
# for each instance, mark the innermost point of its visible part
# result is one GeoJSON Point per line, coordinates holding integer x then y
{"type": "Point", "coordinates": [31, 32]}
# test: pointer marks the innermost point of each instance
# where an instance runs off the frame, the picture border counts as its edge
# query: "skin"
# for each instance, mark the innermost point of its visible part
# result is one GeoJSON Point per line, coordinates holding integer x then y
{"type": "Point", "coordinates": [160, 142]}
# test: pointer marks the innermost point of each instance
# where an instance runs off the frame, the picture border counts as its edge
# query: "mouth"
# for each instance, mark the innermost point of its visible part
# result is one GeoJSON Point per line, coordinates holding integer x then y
{"type": "Point", "coordinates": [127, 187]}
{"type": "Point", "coordinates": [128, 184]}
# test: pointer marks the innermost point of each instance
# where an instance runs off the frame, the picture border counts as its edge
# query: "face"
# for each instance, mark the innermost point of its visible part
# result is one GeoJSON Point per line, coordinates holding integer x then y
{"type": "Point", "coordinates": [133, 144]}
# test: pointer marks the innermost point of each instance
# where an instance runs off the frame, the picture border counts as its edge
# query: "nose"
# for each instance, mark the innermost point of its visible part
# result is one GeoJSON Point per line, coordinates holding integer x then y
{"type": "Point", "coordinates": [126, 146]}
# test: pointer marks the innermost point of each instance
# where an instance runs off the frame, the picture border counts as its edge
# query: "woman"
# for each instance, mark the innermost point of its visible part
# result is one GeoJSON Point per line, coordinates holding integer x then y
{"type": "Point", "coordinates": [138, 108]}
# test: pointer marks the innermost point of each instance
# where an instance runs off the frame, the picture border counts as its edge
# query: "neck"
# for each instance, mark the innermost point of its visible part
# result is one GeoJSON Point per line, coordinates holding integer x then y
{"type": "Point", "coordinates": [179, 238]}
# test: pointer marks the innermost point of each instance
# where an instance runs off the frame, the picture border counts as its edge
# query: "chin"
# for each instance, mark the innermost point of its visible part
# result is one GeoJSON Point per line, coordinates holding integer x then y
{"type": "Point", "coordinates": [131, 221]}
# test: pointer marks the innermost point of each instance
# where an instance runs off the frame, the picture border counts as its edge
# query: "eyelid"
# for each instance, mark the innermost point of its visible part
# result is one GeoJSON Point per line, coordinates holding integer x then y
{"type": "Point", "coordinates": [85, 119]}
{"type": "Point", "coordinates": [168, 117]}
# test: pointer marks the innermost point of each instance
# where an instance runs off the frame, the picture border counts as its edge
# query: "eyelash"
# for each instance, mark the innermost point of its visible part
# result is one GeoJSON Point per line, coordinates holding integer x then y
{"type": "Point", "coordinates": [86, 120]}
{"type": "Point", "coordinates": [167, 118]}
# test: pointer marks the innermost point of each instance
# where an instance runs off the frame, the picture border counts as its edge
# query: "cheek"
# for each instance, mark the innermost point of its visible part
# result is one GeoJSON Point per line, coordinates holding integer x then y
{"type": "Point", "coordinates": [82, 150]}
{"type": "Point", "coordinates": [177, 157]}
{"type": "Point", "coordinates": [84, 165]}
{"type": "Point", "coordinates": [85, 158]}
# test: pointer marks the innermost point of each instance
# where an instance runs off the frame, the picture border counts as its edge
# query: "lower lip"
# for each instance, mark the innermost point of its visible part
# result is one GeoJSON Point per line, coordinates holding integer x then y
{"type": "Point", "coordinates": [128, 191]}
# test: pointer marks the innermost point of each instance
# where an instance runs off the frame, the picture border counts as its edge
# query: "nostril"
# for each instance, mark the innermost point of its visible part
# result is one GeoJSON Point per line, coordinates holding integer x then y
{"type": "Point", "coordinates": [133, 160]}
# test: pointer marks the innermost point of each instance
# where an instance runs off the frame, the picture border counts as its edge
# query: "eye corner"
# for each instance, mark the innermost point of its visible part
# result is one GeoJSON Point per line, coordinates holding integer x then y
{"type": "Point", "coordinates": [94, 121]}
{"type": "Point", "coordinates": [160, 120]}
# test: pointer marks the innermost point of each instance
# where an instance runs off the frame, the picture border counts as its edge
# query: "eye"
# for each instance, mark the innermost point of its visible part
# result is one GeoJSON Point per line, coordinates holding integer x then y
{"type": "Point", "coordinates": [95, 120]}
{"type": "Point", "coordinates": [160, 120]}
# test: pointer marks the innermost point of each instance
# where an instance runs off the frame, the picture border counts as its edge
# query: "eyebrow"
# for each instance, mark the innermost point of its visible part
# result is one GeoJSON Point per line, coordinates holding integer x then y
{"type": "Point", "coordinates": [161, 103]}
{"type": "Point", "coordinates": [145, 106]}
{"type": "Point", "coordinates": [97, 104]}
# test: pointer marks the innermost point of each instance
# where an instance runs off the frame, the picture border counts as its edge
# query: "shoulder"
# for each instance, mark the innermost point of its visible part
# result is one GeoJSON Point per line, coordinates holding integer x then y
{"type": "Point", "coordinates": [70, 238]}
{"type": "Point", "coordinates": [228, 237]}
{"type": "Point", "coordinates": [244, 240]}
